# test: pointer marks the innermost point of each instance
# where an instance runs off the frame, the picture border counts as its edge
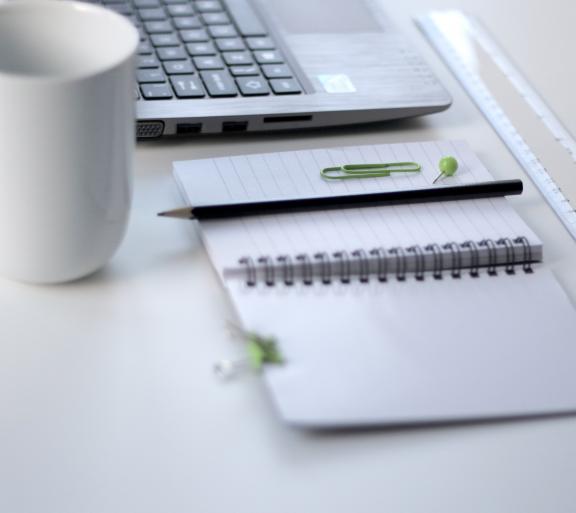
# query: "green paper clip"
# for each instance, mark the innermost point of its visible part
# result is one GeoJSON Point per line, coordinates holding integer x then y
{"type": "Point", "coordinates": [260, 351]}
{"type": "Point", "coordinates": [353, 171]}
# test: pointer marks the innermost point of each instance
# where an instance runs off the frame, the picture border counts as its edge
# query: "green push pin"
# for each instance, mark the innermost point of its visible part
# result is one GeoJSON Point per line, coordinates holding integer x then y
{"type": "Point", "coordinates": [260, 351]}
{"type": "Point", "coordinates": [448, 167]}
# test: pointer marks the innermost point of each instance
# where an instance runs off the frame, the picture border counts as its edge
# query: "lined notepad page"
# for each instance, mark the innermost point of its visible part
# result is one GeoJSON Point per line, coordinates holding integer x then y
{"type": "Point", "coordinates": [297, 174]}
{"type": "Point", "coordinates": [417, 351]}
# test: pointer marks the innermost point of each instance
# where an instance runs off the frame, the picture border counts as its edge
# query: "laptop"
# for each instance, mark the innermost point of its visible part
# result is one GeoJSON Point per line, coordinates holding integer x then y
{"type": "Point", "coordinates": [217, 66]}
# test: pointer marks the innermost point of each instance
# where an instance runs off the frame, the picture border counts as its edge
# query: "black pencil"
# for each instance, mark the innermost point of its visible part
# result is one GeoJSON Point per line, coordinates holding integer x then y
{"type": "Point", "coordinates": [284, 206]}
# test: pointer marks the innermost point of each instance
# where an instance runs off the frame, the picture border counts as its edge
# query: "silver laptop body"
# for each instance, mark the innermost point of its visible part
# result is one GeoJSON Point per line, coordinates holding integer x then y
{"type": "Point", "coordinates": [351, 65]}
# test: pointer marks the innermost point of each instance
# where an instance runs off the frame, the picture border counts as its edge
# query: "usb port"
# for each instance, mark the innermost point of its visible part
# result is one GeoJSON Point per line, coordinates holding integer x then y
{"type": "Point", "coordinates": [234, 126]}
{"type": "Point", "coordinates": [188, 128]}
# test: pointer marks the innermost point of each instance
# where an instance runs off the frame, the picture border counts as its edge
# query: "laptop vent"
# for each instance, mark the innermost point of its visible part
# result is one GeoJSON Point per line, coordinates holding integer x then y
{"type": "Point", "coordinates": [149, 129]}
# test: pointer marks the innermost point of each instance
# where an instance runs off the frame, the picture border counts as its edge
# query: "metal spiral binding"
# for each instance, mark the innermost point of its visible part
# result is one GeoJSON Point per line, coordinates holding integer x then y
{"type": "Point", "coordinates": [287, 269]}
{"type": "Point", "coordinates": [269, 275]}
{"type": "Point", "coordinates": [251, 277]}
{"type": "Point", "coordinates": [526, 254]}
{"type": "Point", "coordinates": [474, 258]}
{"type": "Point", "coordinates": [364, 274]}
{"type": "Point", "coordinates": [381, 263]}
{"type": "Point", "coordinates": [307, 271]}
{"type": "Point", "coordinates": [419, 255]}
{"type": "Point", "coordinates": [344, 267]}
{"type": "Point", "coordinates": [400, 256]}
{"type": "Point", "coordinates": [507, 243]}
{"type": "Point", "coordinates": [456, 263]}
{"type": "Point", "coordinates": [438, 260]}
{"type": "Point", "coordinates": [489, 243]}
{"type": "Point", "coordinates": [362, 264]}
{"type": "Point", "coordinates": [325, 267]}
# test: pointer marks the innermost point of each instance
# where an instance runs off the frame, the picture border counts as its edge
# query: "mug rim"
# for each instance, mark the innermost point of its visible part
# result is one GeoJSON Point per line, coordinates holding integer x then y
{"type": "Point", "coordinates": [78, 7]}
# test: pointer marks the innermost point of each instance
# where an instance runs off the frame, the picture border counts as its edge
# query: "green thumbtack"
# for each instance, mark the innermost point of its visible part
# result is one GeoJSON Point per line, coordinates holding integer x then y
{"type": "Point", "coordinates": [448, 167]}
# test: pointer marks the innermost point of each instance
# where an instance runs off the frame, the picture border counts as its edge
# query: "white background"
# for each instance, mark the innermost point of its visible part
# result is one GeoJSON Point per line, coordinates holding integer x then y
{"type": "Point", "coordinates": [108, 403]}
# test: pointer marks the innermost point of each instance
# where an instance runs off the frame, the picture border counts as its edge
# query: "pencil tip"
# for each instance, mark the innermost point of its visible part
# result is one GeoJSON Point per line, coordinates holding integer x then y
{"type": "Point", "coordinates": [180, 213]}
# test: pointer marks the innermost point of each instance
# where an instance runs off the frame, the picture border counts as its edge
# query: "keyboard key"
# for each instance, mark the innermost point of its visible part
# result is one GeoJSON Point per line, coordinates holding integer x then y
{"type": "Point", "coordinates": [146, 3]}
{"type": "Point", "coordinates": [219, 83]}
{"type": "Point", "coordinates": [253, 86]}
{"type": "Point", "coordinates": [268, 57]}
{"type": "Point", "coordinates": [242, 71]}
{"type": "Point", "coordinates": [158, 27]}
{"type": "Point", "coordinates": [124, 8]}
{"type": "Point", "coordinates": [187, 22]}
{"type": "Point", "coordinates": [150, 76]}
{"type": "Point", "coordinates": [148, 61]}
{"type": "Point", "coordinates": [144, 48]}
{"type": "Point", "coordinates": [208, 6]}
{"type": "Point", "coordinates": [164, 39]}
{"type": "Point", "coordinates": [230, 44]}
{"type": "Point", "coordinates": [171, 53]}
{"type": "Point", "coordinates": [217, 51]}
{"type": "Point", "coordinates": [194, 36]}
{"type": "Point", "coordinates": [260, 43]}
{"type": "Point", "coordinates": [180, 10]}
{"type": "Point", "coordinates": [237, 58]}
{"type": "Point", "coordinates": [277, 71]}
{"type": "Point", "coordinates": [196, 49]}
{"type": "Point", "coordinates": [154, 14]}
{"type": "Point", "coordinates": [217, 31]}
{"type": "Point", "coordinates": [215, 18]}
{"type": "Point", "coordinates": [210, 62]}
{"type": "Point", "coordinates": [285, 86]}
{"type": "Point", "coordinates": [178, 67]}
{"type": "Point", "coordinates": [245, 18]}
{"type": "Point", "coordinates": [134, 20]}
{"type": "Point", "coordinates": [188, 86]}
{"type": "Point", "coordinates": [156, 91]}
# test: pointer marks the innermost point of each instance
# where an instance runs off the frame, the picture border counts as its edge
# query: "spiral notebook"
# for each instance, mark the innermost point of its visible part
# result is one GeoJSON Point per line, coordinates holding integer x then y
{"type": "Point", "coordinates": [390, 315]}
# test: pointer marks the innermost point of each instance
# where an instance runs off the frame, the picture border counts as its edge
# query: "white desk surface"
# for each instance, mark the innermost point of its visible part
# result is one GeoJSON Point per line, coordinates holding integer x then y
{"type": "Point", "coordinates": [108, 403]}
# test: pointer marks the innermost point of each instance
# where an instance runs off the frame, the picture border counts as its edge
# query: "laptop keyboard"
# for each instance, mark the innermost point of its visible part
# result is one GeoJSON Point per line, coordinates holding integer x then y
{"type": "Point", "coordinates": [191, 49]}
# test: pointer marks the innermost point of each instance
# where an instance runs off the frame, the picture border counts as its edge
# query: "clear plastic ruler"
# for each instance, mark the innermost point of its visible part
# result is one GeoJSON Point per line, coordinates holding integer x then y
{"type": "Point", "coordinates": [532, 132]}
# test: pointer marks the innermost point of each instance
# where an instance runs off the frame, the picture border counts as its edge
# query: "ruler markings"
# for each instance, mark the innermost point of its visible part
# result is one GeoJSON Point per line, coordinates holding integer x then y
{"type": "Point", "coordinates": [433, 28]}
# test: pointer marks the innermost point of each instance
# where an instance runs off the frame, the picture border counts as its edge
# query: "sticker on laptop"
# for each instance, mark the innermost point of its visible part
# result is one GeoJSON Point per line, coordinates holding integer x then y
{"type": "Point", "coordinates": [337, 83]}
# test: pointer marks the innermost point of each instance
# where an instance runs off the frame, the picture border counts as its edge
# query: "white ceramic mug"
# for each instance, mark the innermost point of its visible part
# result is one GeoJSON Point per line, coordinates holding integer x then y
{"type": "Point", "coordinates": [66, 137]}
